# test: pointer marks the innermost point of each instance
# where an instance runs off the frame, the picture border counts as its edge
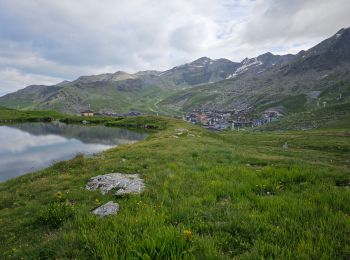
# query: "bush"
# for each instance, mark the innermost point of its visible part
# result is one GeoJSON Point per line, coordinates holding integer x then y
{"type": "Point", "coordinates": [55, 214]}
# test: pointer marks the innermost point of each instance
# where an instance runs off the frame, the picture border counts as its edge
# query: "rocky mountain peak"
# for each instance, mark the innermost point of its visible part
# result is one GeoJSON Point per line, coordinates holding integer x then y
{"type": "Point", "coordinates": [324, 56]}
{"type": "Point", "coordinates": [202, 60]}
{"type": "Point", "coordinates": [117, 76]}
{"type": "Point", "coordinates": [245, 61]}
{"type": "Point", "coordinates": [343, 35]}
{"type": "Point", "coordinates": [119, 73]}
{"type": "Point", "coordinates": [266, 55]}
{"type": "Point", "coordinates": [341, 31]}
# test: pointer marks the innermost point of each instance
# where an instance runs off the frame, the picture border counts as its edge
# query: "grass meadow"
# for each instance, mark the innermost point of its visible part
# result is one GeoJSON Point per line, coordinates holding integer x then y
{"type": "Point", "coordinates": [208, 195]}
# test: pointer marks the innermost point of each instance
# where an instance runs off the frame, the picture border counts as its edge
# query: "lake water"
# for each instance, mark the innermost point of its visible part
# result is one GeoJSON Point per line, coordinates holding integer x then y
{"type": "Point", "coordinates": [28, 147]}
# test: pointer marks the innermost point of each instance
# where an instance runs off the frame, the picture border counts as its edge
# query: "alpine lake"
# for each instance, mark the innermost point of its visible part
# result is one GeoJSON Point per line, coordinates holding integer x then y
{"type": "Point", "coordinates": [28, 147]}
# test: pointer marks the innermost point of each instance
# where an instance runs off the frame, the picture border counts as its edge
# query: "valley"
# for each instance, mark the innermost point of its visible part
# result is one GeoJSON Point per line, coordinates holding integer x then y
{"type": "Point", "coordinates": [175, 129]}
{"type": "Point", "coordinates": [286, 83]}
{"type": "Point", "coordinates": [226, 195]}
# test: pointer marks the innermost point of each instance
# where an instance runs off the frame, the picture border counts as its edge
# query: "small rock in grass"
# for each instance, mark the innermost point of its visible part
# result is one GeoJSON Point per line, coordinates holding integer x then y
{"type": "Point", "coordinates": [122, 183]}
{"type": "Point", "coordinates": [110, 208]}
{"type": "Point", "coordinates": [181, 131]}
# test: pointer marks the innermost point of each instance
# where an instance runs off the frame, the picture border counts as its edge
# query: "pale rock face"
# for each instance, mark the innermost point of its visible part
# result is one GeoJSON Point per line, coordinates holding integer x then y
{"type": "Point", "coordinates": [122, 183]}
{"type": "Point", "coordinates": [110, 208]}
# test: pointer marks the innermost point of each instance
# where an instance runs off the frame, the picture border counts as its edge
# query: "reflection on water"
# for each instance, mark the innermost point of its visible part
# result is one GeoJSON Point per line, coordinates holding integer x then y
{"type": "Point", "coordinates": [31, 146]}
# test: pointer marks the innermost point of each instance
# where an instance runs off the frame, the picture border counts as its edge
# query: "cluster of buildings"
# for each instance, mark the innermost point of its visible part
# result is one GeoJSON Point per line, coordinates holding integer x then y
{"type": "Point", "coordinates": [89, 112]}
{"type": "Point", "coordinates": [267, 117]}
{"type": "Point", "coordinates": [211, 119]}
{"type": "Point", "coordinates": [235, 119]}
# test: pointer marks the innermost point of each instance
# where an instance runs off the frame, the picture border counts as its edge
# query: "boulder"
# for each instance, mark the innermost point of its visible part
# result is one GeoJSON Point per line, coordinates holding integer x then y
{"type": "Point", "coordinates": [110, 208]}
{"type": "Point", "coordinates": [122, 183]}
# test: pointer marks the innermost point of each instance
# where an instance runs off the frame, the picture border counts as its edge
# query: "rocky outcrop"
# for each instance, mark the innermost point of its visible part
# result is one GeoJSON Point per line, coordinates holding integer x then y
{"type": "Point", "coordinates": [110, 208]}
{"type": "Point", "coordinates": [122, 183]}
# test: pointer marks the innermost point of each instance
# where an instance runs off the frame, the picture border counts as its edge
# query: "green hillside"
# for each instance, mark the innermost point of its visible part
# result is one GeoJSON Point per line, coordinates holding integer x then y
{"type": "Point", "coordinates": [7, 114]}
{"type": "Point", "coordinates": [119, 92]}
{"type": "Point", "coordinates": [72, 99]}
{"type": "Point", "coordinates": [290, 83]}
{"type": "Point", "coordinates": [208, 196]}
{"type": "Point", "coordinates": [335, 116]}
{"type": "Point", "coordinates": [289, 93]}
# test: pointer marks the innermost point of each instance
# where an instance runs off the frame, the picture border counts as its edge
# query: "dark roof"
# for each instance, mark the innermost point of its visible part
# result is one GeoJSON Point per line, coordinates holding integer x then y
{"type": "Point", "coordinates": [87, 111]}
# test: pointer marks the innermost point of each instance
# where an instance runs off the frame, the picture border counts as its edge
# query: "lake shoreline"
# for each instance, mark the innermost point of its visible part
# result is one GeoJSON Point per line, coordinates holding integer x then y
{"type": "Point", "coordinates": [208, 195]}
{"type": "Point", "coordinates": [30, 146]}
{"type": "Point", "coordinates": [148, 122]}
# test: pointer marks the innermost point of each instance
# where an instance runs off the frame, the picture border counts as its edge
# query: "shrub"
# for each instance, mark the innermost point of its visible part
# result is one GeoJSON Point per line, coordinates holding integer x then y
{"type": "Point", "coordinates": [55, 214]}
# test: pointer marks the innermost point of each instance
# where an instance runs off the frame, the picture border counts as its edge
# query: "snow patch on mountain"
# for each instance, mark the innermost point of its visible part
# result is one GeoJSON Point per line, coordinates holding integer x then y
{"type": "Point", "coordinates": [246, 65]}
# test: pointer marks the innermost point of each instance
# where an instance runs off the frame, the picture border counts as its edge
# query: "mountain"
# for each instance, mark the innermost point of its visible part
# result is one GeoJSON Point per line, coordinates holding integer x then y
{"type": "Point", "coordinates": [113, 77]}
{"type": "Point", "coordinates": [202, 70]}
{"type": "Point", "coordinates": [290, 83]}
{"type": "Point", "coordinates": [119, 92]}
{"type": "Point", "coordinates": [324, 56]}
{"type": "Point", "coordinates": [261, 63]}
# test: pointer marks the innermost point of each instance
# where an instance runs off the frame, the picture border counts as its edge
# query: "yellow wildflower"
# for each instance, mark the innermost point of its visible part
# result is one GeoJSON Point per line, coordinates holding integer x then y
{"type": "Point", "coordinates": [187, 235]}
{"type": "Point", "coordinates": [58, 195]}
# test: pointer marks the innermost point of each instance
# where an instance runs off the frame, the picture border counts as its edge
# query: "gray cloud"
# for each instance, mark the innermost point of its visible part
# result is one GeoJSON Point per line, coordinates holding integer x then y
{"type": "Point", "coordinates": [64, 39]}
{"type": "Point", "coordinates": [11, 79]}
{"type": "Point", "coordinates": [294, 23]}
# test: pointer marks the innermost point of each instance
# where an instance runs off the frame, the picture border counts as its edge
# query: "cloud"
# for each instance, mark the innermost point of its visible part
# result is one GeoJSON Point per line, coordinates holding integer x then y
{"type": "Point", "coordinates": [12, 79]}
{"type": "Point", "coordinates": [66, 39]}
{"type": "Point", "coordinates": [296, 19]}
{"type": "Point", "coordinates": [22, 152]}
{"type": "Point", "coordinates": [14, 140]}
{"type": "Point", "coordinates": [293, 25]}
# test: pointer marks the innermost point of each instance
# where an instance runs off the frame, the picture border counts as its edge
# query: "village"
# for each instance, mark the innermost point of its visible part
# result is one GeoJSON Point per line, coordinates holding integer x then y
{"type": "Point", "coordinates": [211, 119]}
{"type": "Point", "coordinates": [90, 112]}
{"type": "Point", "coordinates": [234, 119]}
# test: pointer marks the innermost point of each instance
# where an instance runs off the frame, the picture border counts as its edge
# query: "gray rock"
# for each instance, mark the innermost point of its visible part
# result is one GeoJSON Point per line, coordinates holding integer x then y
{"type": "Point", "coordinates": [110, 208]}
{"type": "Point", "coordinates": [122, 183]}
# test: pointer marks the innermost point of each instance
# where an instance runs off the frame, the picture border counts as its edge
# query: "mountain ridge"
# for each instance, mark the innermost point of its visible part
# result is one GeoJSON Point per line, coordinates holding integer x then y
{"type": "Point", "coordinates": [202, 83]}
{"type": "Point", "coordinates": [297, 77]}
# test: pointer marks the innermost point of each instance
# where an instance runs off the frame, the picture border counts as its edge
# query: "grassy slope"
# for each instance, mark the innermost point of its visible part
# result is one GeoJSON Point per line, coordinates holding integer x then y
{"type": "Point", "coordinates": [291, 104]}
{"type": "Point", "coordinates": [336, 116]}
{"type": "Point", "coordinates": [8, 115]}
{"type": "Point", "coordinates": [290, 92]}
{"type": "Point", "coordinates": [12, 114]}
{"type": "Point", "coordinates": [100, 98]}
{"type": "Point", "coordinates": [125, 101]}
{"type": "Point", "coordinates": [239, 194]}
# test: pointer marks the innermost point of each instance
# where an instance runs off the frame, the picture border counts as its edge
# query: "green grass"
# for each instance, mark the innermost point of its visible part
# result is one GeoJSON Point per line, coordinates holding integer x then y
{"type": "Point", "coordinates": [7, 114]}
{"type": "Point", "coordinates": [330, 117]}
{"type": "Point", "coordinates": [292, 104]}
{"type": "Point", "coordinates": [332, 94]}
{"type": "Point", "coordinates": [147, 122]}
{"type": "Point", "coordinates": [99, 98]}
{"type": "Point", "coordinates": [209, 196]}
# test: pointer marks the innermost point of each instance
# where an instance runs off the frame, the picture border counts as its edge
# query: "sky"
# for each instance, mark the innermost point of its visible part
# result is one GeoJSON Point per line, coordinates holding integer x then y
{"type": "Point", "coordinates": [45, 42]}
